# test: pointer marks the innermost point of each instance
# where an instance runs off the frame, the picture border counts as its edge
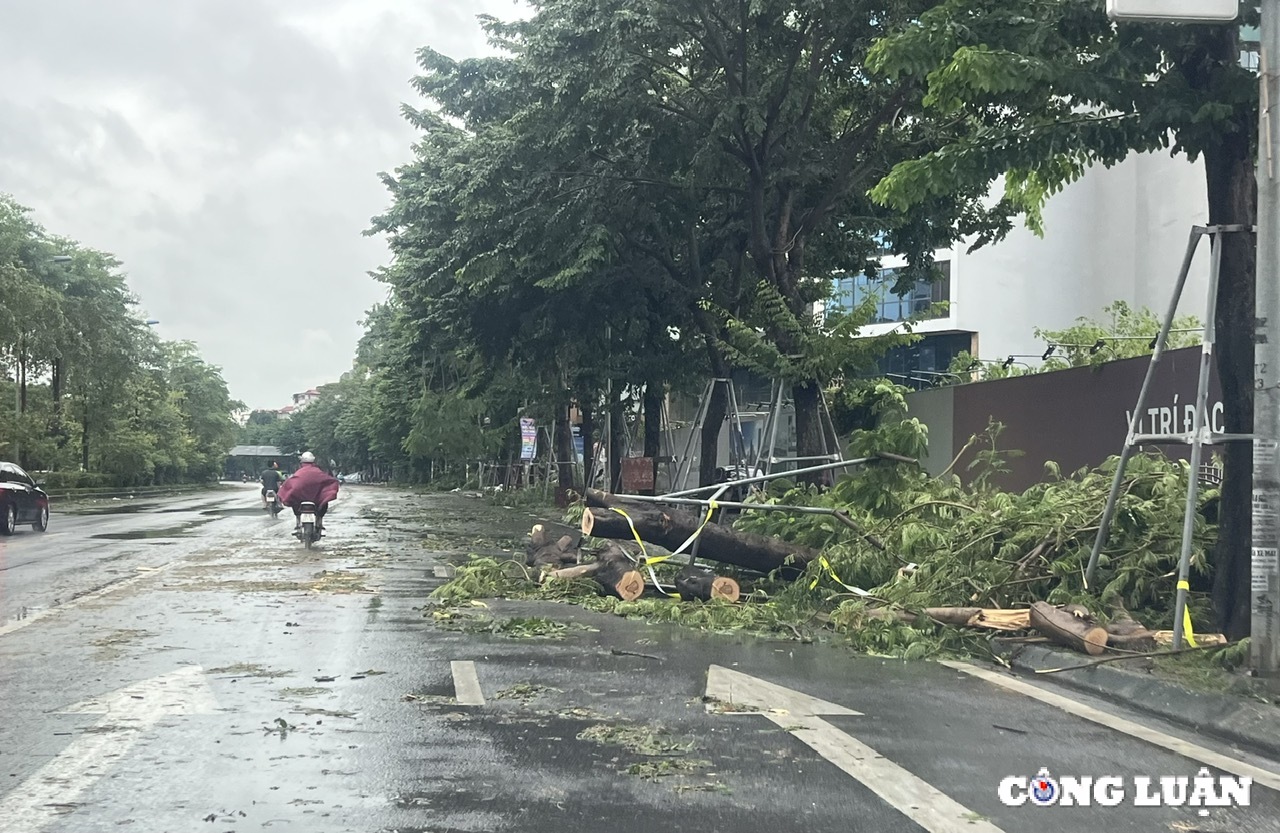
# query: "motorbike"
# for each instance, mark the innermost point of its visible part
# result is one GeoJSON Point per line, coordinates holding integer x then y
{"type": "Point", "coordinates": [308, 532]}
{"type": "Point", "coordinates": [273, 503]}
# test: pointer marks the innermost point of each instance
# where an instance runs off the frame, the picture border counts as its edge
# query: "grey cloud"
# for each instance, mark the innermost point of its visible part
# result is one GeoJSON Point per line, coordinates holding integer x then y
{"type": "Point", "coordinates": [227, 153]}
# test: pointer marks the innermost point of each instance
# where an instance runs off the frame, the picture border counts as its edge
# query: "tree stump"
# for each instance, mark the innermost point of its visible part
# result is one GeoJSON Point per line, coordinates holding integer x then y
{"type": "Point", "coordinates": [693, 583]}
{"type": "Point", "coordinates": [669, 528]}
{"type": "Point", "coordinates": [1066, 628]}
{"type": "Point", "coordinates": [617, 574]}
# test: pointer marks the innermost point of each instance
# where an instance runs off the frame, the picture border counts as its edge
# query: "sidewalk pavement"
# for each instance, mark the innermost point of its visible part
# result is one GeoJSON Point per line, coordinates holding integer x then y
{"type": "Point", "coordinates": [1248, 723]}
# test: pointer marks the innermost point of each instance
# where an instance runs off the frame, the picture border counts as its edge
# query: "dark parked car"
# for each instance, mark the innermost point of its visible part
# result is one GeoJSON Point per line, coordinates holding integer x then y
{"type": "Point", "coordinates": [21, 501]}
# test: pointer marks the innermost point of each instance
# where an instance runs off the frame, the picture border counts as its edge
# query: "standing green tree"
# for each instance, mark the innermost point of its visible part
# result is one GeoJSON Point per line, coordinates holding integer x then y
{"type": "Point", "coordinates": [1040, 98]}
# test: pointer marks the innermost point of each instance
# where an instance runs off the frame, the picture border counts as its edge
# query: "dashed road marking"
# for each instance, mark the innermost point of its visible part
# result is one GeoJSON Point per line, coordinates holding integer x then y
{"type": "Point", "coordinates": [466, 684]}
{"type": "Point", "coordinates": [1111, 721]}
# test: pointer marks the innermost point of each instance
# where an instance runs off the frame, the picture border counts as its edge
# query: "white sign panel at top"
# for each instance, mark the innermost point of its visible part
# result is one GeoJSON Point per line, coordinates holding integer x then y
{"type": "Point", "coordinates": [1174, 11]}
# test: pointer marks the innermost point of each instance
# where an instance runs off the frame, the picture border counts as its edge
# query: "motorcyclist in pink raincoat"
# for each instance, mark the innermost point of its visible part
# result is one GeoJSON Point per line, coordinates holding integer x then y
{"type": "Point", "coordinates": [309, 483]}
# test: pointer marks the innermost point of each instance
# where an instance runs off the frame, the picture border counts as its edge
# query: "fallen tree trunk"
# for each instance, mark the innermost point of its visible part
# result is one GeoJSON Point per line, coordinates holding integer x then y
{"type": "Point", "coordinates": [616, 574]}
{"type": "Point", "coordinates": [1165, 638]}
{"type": "Point", "coordinates": [692, 583]}
{"type": "Point", "coordinates": [996, 619]}
{"type": "Point", "coordinates": [568, 573]}
{"type": "Point", "coordinates": [1066, 628]}
{"type": "Point", "coordinates": [543, 552]}
{"type": "Point", "coordinates": [669, 528]}
{"type": "Point", "coordinates": [1127, 634]}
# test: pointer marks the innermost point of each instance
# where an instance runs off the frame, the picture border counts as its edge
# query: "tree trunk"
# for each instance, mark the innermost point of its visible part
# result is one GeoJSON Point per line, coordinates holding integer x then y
{"type": "Point", "coordinates": [585, 405]}
{"type": "Point", "coordinates": [669, 528]}
{"type": "Point", "coordinates": [617, 429]}
{"type": "Point", "coordinates": [693, 583]}
{"type": "Point", "coordinates": [542, 551]}
{"type": "Point", "coordinates": [22, 376]}
{"type": "Point", "coordinates": [569, 573]}
{"type": "Point", "coordinates": [653, 424]}
{"type": "Point", "coordinates": [617, 574]}
{"type": "Point", "coordinates": [56, 427]}
{"type": "Point", "coordinates": [1065, 628]}
{"type": "Point", "coordinates": [565, 454]}
{"type": "Point", "coordinates": [1233, 198]}
{"type": "Point", "coordinates": [810, 431]}
{"type": "Point", "coordinates": [709, 442]}
{"type": "Point", "coordinates": [84, 441]}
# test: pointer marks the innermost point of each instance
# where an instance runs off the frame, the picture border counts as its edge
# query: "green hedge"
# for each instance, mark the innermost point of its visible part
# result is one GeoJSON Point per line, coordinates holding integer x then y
{"type": "Point", "coordinates": [63, 480]}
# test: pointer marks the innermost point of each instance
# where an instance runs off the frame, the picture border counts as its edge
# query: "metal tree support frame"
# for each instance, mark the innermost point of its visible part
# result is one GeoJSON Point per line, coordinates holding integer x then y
{"type": "Point", "coordinates": [1200, 435]}
{"type": "Point", "coordinates": [685, 498]}
{"type": "Point", "coordinates": [737, 451]}
{"type": "Point", "coordinates": [765, 458]}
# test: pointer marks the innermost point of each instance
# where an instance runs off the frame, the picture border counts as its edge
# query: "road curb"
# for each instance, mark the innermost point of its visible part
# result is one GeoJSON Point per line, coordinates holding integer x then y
{"type": "Point", "coordinates": [1252, 726]}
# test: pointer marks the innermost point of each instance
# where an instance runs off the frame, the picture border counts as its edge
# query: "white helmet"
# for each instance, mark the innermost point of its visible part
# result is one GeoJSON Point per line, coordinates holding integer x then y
{"type": "Point", "coordinates": [307, 457]}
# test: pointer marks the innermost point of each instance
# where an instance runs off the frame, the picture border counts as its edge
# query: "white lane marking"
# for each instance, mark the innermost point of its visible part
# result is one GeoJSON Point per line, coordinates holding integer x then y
{"type": "Point", "coordinates": [1111, 721]}
{"type": "Point", "coordinates": [129, 712]}
{"type": "Point", "coordinates": [914, 797]}
{"type": "Point", "coordinates": [752, 693]}
{"type": "Point", "coordinates": [466, 684]}
{"type": "Point", "coordinates": [797, 713]}
{"type": "Point", "coordinates": [143, 574]}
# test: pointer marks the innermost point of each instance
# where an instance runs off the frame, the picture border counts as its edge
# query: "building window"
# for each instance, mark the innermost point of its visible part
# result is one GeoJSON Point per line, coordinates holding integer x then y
{"type": "Point", "coordinates": [852, 290]}
{"type": "Point", "coordinates": [924, 364]}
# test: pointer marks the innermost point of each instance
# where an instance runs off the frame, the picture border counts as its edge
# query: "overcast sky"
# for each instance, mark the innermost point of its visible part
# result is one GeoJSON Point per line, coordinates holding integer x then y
{"type": "Point", "coordinates": [227, 152]}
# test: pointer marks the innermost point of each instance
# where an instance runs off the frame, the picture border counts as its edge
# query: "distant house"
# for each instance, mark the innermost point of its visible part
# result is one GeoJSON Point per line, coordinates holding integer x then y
{"type": "Point", "coordinates": [302, 400]}
{"type": "Point", "coordinates": [285, 412]}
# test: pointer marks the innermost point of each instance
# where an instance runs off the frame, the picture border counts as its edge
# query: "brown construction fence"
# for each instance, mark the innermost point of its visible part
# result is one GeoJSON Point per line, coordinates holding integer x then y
{"type": "Point", "coordinates": [1075, 417]}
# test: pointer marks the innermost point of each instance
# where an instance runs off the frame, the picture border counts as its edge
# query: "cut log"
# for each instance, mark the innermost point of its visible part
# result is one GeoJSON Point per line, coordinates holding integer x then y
{"type": "Point", "coordinates": [669, 528]}
{"type": "Point", "coordinates": [1124, 633]}
{"type": "Point", "coordinates": [693, 583]}
{"type": "Point", "coordinates": [1065, 628]}
{"type": "Point", "coordinates": [1165, 638]}
{"type": "Point", "coordinates": [543, 552]}
{"type": "Point", "coordinates": [964, 617]}
{"type": "Point", "coordinates": [616, 573]}
{"type": "Point", "coordinates": [996, 619]}
{"type": "Point", "coordinates": [569, 573]}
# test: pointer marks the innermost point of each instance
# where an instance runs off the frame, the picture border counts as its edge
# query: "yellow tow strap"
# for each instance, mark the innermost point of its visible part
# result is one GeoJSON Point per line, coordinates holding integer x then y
{"type": "Point", "coordinates": [647, 561]}
{"type": "Point", "coordinates": [826, 565]}
{"type": "Point", "coordinates": [1187, 632]}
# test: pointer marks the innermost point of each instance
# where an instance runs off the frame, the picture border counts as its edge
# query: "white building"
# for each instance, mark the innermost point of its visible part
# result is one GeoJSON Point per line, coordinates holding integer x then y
{"type": "Point", "coordinates": [1117, 234]}
{"type": "Point", "coordinates": [302, 400]}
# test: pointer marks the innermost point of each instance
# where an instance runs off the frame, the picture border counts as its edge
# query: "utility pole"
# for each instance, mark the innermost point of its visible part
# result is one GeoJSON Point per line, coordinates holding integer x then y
{"type": "Point", "coordinates": [1265, 561]}
{"type": "Point", "coordinates": [1264, 584]}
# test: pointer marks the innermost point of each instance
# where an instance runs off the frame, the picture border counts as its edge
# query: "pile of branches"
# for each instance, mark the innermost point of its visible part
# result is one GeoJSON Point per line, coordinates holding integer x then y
{"type": "Point", "coordinates": [913, 563]}
{"type": "Point", "coordinates": [936, 544]}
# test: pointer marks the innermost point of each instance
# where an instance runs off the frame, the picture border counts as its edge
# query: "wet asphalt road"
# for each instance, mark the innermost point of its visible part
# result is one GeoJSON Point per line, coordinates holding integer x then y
{"type": "Point", "coordinates": [201, 672]}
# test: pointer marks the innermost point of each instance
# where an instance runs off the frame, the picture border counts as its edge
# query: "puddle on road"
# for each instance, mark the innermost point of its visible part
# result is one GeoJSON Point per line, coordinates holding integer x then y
{"type": "Point", "coordinates": [249, 669]}
{"type": "Point", "coordinates": [146, 534]}
{"type": "Point", "coordinates": [235, 511]}
{"type": "Point", "coordinates": [121, 509]}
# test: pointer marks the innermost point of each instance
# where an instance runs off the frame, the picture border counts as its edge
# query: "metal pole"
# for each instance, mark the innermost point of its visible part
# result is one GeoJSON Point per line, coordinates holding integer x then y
{"type": "Point", "coordinates": [737, 441]}
{"type": "Point", "coordinates": [760, 478]}
{"type": "Point", "coordinates": [685, 466]}
{"type": "Point", "coordinates": [1197, 442]}
{"type": "Point", "coordinates": [778, 404]}
{"type": "Point", "coordinates": [762, 507]}
{"type": "Point", "coordinates": [1265, 582]}
{"type": "Point", "coordinates": [1125, 453]}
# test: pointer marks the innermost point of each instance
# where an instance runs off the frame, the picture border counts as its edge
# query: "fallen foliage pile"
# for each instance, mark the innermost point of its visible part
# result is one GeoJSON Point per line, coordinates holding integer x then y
{"type": "Point", "coordinates": [919, 543]}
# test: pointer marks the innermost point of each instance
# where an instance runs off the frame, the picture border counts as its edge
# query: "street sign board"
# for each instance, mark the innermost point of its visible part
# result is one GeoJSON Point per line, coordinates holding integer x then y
{"type": "Point", "coordinates": [637, 475]}
{"type": "Point", "coordinates": [528, 439]}
{"type": "Point", "coordinates": [1174, 11]}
